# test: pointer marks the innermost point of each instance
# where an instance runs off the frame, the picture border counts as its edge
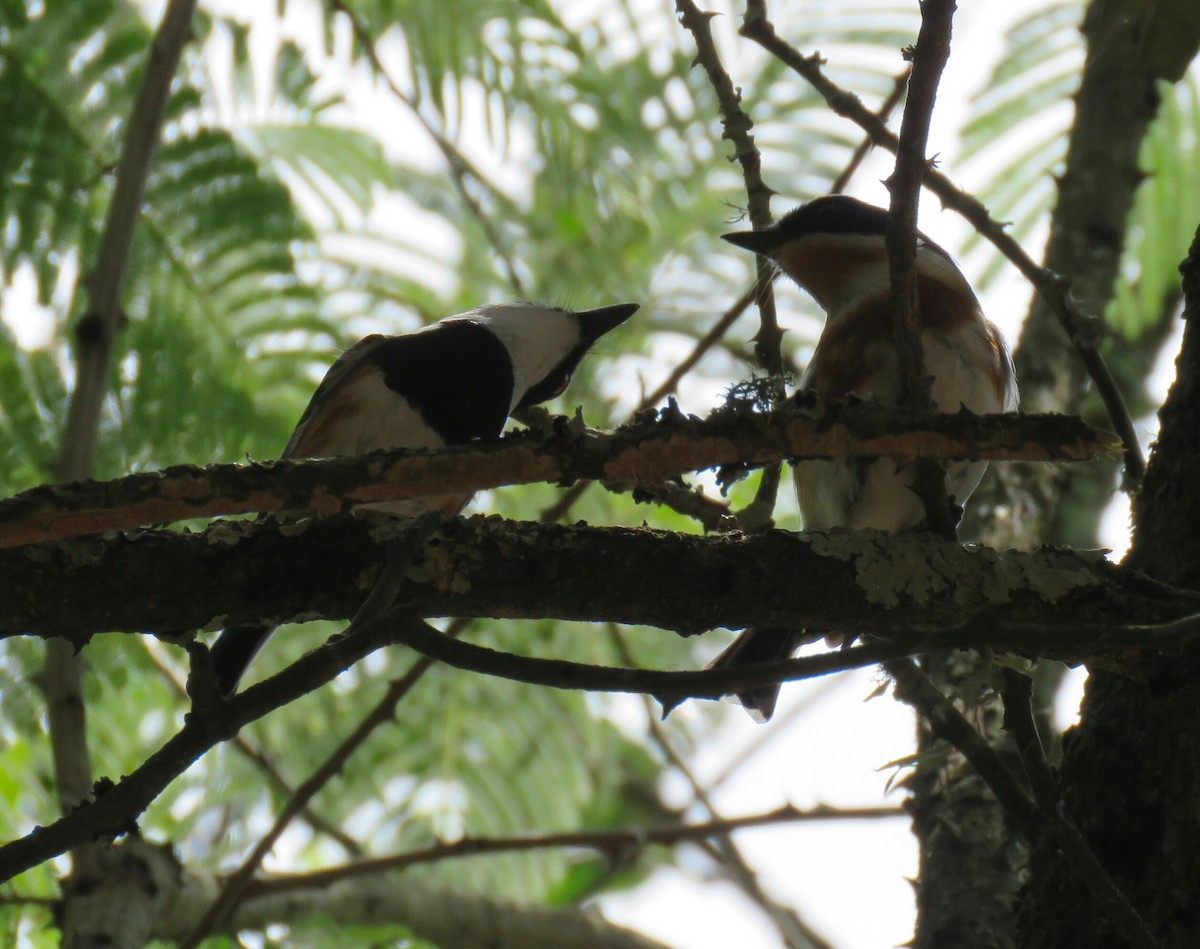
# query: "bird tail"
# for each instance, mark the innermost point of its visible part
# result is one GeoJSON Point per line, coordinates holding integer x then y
{"type": "Point", "coordinates": [755, 646]}
{"type": "Point", "coordinates": [233, 652]}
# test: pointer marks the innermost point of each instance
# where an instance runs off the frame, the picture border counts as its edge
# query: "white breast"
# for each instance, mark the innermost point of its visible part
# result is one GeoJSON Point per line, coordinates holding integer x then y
{"type": "Point", "coordinates": [865, 493]}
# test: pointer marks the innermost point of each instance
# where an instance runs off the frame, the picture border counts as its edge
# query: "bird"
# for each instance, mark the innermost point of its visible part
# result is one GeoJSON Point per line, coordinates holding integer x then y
{"type": "Point", "coordinates": [833, 248]}
{"type": "Point", "coordinates": [448, 383]}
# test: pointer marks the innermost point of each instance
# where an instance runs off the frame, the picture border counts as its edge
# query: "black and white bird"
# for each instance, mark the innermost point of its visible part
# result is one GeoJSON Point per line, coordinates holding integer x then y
{"type": "Point", "coordinates": [833, 247]}
{"type": "Point", "coordinates": [448, 383]}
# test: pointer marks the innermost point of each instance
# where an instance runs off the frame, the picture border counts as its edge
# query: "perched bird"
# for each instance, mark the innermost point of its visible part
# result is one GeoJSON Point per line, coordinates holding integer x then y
{"type": "Point", "coordinates": [833, 247]}
{"type": "Point", "coordinates": [446, 384]}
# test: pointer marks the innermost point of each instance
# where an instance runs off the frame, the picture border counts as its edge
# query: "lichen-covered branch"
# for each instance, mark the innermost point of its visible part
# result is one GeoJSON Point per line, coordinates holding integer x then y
{"type": "Point", "coordinates": [240, 573]}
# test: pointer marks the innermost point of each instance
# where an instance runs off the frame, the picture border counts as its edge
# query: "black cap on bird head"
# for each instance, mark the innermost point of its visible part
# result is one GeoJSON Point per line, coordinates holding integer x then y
{"type": "Point", "coordinates": [831, 214]}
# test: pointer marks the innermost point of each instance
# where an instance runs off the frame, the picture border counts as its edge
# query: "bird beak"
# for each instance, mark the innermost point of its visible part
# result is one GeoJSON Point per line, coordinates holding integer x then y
{"type": "Point", "coordinates": [595, 323]}
{"type": "Point", "coordinates": [765, 242]}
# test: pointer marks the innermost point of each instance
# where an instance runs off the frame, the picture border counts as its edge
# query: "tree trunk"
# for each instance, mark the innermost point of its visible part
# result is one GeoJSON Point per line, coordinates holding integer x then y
{"type": "Point", "coordinates": [1131, 768]}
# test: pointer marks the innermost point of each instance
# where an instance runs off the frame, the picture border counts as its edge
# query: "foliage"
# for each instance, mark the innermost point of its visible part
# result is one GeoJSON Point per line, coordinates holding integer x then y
{"type": "Point", "coordinates": [1164, 217]}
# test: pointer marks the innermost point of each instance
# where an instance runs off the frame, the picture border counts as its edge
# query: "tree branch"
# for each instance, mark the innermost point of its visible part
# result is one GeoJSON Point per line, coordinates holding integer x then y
{"type": "Point", "coordinates": [735, 128]}
{"type": "Point", "coordinates": [650, 450]}
{"type": "Point", "coordinates": [713, 684]}
{"type": "Point", "coordinates": [116, 807]}
{"type": "Point", "coordinates": [439, 915]}
{"type": "Point", "coordinates": [929, 59]}
{"type": "Point", "coordinates": [239, 573]}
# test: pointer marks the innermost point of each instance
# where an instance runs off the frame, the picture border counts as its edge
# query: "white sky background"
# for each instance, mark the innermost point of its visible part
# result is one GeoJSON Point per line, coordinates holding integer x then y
{"type": "Point", "coordinates": [848, 880]}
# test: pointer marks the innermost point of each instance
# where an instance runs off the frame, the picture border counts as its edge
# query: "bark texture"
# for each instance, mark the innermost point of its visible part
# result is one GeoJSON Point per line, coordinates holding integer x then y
{"type": "Point", "coordinates": [1131, 768]}
{"type": "Point", "coordinates": [866, 582]}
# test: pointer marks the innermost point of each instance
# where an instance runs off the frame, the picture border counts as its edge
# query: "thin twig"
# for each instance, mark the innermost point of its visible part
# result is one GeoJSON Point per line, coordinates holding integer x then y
{"type": "Point", "coordinates": [980, 632]}
{"type": "Point", "coordinates": [929, 60]}
{"type": "Point", "coordinates": [736, 128]}
{"type": "Point", "coordinates": [712, 514]}
{"type": "Point", "coordinates": [1054, 289]}
{"type": "Point", "coordinates": [899, 84]}
{"type": "Point", "coordinates": [267, 767]}
{"type": "Point", "coordinates": [1019, 721]}
{"type": "Point", "coordinates": [929, 56]}
{"type": "Point", "coordinates": [614, 841]}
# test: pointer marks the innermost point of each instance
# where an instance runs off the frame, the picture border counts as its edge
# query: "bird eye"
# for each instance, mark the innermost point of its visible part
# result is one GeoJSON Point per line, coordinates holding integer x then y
{"type": "Point", "coordinates": [561, 386]}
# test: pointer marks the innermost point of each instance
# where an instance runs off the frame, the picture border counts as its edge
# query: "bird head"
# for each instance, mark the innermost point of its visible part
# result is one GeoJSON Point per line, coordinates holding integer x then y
{"type": "Point", "coordinates": [833, 247]}
{"type": "Point", "coordinates": [545, 344]}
